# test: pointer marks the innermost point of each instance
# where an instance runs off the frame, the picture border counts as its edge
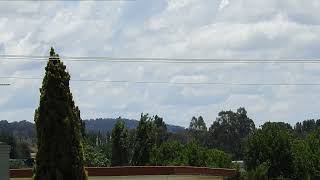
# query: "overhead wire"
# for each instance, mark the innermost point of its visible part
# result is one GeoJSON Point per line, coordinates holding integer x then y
{"type": "Point", "coordinates": [161, 60]}
{"type": "Point", "coordinates": [172, 82]}
{"type": "Point", "coordinates": [154, 59]}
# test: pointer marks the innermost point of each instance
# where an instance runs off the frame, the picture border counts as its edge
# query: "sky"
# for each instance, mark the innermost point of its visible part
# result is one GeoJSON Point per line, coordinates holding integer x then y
{"type": "Point", "coordinates": [232, 29]}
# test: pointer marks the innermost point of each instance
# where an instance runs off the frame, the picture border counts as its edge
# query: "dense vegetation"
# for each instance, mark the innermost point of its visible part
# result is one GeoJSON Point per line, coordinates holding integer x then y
{"type": "Point", "coordinates": [278, 151]}
{"type": "Point", "coordinates": [275, 150]}
{"type": "Point", "coordinates": [26, 131]}
{"type": "Point", "coordinates": [151, 144]}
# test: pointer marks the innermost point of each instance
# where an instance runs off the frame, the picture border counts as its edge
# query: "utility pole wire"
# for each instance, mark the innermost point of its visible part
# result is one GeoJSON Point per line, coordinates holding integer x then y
{"type": "Point", "coordinates": [175, 83]}
{"type": "Point", "coordinates": [154, 59]}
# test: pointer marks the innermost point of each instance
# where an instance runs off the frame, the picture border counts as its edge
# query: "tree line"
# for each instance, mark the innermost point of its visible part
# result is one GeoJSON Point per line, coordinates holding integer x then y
{"type": "Point", "coordinates": [149, 144]}
{"type": "Point", "coordinates": [277, 151]}
{"type": "Point", "coordinates": [273, 150]}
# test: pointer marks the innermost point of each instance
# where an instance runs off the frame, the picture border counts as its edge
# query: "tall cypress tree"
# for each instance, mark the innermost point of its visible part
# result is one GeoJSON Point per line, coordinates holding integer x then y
{"type": "Point", "coordinates": [58, 123]}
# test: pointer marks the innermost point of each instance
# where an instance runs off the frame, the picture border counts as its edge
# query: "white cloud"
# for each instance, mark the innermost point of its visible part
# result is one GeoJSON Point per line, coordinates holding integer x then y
{"type": "Point", "coordinates": [186, 28]}
{"type": "Point", "coordinates": [223, 4]}
{"type": "Point", "coordinates": [176, 5]}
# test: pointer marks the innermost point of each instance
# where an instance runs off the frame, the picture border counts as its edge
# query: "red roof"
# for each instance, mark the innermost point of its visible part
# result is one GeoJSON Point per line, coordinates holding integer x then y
{"type": "Point", "coordinates": [140, 170]}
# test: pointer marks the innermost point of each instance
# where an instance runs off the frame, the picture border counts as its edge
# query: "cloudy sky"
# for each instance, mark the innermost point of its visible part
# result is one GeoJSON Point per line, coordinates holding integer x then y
{"type": "Point", "coordinates": [233, 29]}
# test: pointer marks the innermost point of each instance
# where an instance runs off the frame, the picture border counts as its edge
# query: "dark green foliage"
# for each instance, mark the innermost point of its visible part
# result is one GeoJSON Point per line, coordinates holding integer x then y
{"type": "Point", "coordinates": [27, 131]}
{"type": "Point", "coordinates": [203, 157]}
{"type": "Point", "coordinates": [11, 141]}
{"type": "Point", "coordinates": [82, 126]}
{"type": "Point", "coordinates": [97, 149]}
{"type": "Point", "coordinates": [182, 136]}
{"type": "Point", "coordinates": [271, 145]}
{"type": "Point", "coordinates": [218, 159]}
{"type": "Point", "coordinates": [286, 156]}
{"type": "Point", "coordinates": [159, 123]}
{"type": "Point", "coordinates": [131, 143]}
{"type": "Point", "coordinates": [169, 153]}
{"type": "Point", "coordinates": [17, 164]}
{"type": "Point", "coordinates": [60, 151]}
{"type": "Point", "coordinates": [198, 130]}
{"type": "Point", "coordinates": [259, 173]}
{"type": "Point", "coordinates": [144, 141]}
{"type": "Point", "coordinates": [119, 138]}
{"type": "Point", "coordinates": [302, 129]}
{"type": "Point", "coordinates": [283, 125]}
{"type": "Point", "coordinates": [197, 124]}
{"type": "Point", "coordinates": [22, 151]}
{"type": "Point", "coordinates": [97, 139]}
{"type": "Point", "coordinates": [195, 155]}
{"type": "Point", "coordinates": [230, 130]}
{"type": "Point", "coordinates": [313, 140]}
{"type": "Point", "coordinates": [20, 136]}
{"type": "Point", "coordinates": [161, 134]}
{"type": "Point", "coordinates": [22, 130]}
{"type": "Point", "coordinates": [301, 157]}
{"type": "Point", "coordinates": [191, 154]}
{"type": "Point", "coordinates": [274, 151]}
{"type": "Point", "coordinates": [52, 53]}
{"type": "Point", "coordinates": [19, 149]}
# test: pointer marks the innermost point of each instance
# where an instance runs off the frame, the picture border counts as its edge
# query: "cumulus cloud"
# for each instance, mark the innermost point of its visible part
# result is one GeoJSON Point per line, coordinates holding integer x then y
{"type": "Point", "coordinates": [268, 29]}
{"type": "Point", "coordinates": [223, 4]}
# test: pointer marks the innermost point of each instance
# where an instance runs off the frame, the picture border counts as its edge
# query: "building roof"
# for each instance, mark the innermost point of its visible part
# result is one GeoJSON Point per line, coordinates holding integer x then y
{"type": "Point", "coordinates": [141, 170]}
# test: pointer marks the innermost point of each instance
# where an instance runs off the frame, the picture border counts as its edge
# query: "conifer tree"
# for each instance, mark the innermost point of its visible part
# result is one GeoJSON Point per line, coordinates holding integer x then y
{"type": "Point", "coordinates": [161, 134]}
{"type": "Point", "coordinates": [58, 123]}
{"type": "Point", "coordinates": [144, 141]}
{"type": "Point", "coordinates": [119, 138]}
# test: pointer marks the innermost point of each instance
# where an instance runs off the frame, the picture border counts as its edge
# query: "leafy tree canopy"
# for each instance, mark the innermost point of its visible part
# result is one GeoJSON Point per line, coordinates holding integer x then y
{"type": "Point", "coordinates": [229, 130]}
{"type": "Point", "coordinates": [271, 145]}
{"type": "Point", "coordinates": [197, 124]}
{"type": "Point", "coordinates": [313, 140]}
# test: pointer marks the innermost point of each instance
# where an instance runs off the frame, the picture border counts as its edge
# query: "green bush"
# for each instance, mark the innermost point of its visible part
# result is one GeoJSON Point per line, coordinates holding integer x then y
{"type": "Point", "coordinates": [95, 157]}
{"type": "Point", "coordinates": [17, 164]}
{"type": "Point", "coordinates": [169, 153]}
{"type": "Point", "coordinates": [191, 154]}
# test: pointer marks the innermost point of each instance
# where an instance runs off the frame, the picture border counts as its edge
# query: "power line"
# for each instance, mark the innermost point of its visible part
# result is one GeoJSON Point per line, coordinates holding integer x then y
{"type": "Point", "coordinates": [155, 60]}
{"type": "Point", "coordinates": [176, 83]}
{"type": "Point", "coordinates": [4, 84]}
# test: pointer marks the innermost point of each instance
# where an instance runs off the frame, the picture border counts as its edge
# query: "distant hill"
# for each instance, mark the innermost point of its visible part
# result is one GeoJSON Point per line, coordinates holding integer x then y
{"type": "Point", "coordinates": [26, 129]}
{"type": "Point", "coordinates": [21, 129]}
{"type": "Point", "coordinates": [104, 125]}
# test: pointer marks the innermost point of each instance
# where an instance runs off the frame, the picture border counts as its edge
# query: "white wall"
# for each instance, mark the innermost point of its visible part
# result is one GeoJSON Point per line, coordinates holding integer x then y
{"type": "Point", "coordinates": [4, 161]}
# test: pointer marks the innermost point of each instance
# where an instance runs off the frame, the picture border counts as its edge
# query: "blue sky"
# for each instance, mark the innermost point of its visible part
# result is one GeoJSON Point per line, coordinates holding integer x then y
{"type": "Point", "coordinates": [265, 29]}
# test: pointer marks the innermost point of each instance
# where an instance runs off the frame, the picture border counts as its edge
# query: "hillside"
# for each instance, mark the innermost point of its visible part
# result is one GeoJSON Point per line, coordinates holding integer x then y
{"type": "Point", "coordinates": [104, 125]}
{"type": "Point", "coordinates": [26, 129]}
{"type": "Point", "coordinates": [22, 129]}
